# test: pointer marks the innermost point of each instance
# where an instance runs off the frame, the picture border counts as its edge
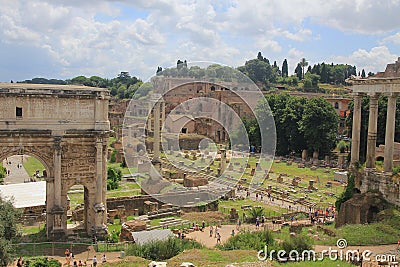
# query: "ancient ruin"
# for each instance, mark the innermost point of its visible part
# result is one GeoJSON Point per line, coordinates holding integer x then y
{"type": "Point", "coordinates": [383, 83]}
{"type": "Point", "coordinates": [67, 129]}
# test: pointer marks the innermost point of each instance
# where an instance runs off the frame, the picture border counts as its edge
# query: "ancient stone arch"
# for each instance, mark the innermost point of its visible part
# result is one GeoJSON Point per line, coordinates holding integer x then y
{"type": "Point", "coordinates": [67, 129]}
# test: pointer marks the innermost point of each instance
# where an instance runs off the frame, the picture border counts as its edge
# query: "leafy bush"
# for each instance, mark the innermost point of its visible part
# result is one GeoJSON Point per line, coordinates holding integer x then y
{"type": "Point", "coordinates": [254, 213]}
{"type": "Point", "coordinates": [113, 157]}
{"type": "Point", "coordinates": [42, 262]}
{"type": "Point", "coordinates": [248, 241]}
{"type": "Point", "coordinates": [114, 176]}
{"type": "Point", "coordinates": [348, 193]}
{"type": "Point", "coordinates": [162, 250]}
{"type": "Point", "coordinates": [258, 240]}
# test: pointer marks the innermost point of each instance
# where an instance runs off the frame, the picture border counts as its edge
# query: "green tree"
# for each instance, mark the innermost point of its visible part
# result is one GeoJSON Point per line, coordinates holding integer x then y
{"type": "Point", "coordinates": [114, 176]}
{"type": "Point", "coordinates": [303, 64]}
{"type": "Point", "coordinates": [298, 71]}
{"type": "Point", "coordinates": [254, 213]}
{"type": "Point", "coordinates": [285, 68]}
{"type": "Point", "coordinates": [319, 124]}
{"type": "Point", "coordinates": [258, 71]}
{"type": "Point", "coordinates": [9, 218]}
{"type": "Point", "coordinates": [324, 73]}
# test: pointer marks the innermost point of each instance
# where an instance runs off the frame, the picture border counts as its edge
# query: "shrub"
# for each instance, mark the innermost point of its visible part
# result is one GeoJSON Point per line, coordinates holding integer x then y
{"type": "Point", "coordinates": [254, 213]}
{"type": "Point", "coordinates": [162, 250]}
{"type": "Point", "coordinates": [248, 241]}
{"type": "Point", "coordinates": [114, 176]}
{"type": "Point", "coordinates": [42, 262]}
{"type": "Point", "coordinates": [348, 193]}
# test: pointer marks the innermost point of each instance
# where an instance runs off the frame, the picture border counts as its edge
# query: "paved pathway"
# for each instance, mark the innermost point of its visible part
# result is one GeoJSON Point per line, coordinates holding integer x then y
{"type": "Point", "coordinates": [17, 175]}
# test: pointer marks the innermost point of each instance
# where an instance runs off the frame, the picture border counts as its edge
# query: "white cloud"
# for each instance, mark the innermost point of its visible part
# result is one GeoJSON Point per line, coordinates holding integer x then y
{"type": "Point", "coordinates": [395, 38]}
{"type": "Point", "coordinates": [374, 60]}
{"type": "Point", "coordinates": [104, 36]}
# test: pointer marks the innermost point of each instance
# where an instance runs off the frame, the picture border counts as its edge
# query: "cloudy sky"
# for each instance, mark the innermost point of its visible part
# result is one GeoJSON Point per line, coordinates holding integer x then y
{"type": "Point", "coordinates": [63, 39]}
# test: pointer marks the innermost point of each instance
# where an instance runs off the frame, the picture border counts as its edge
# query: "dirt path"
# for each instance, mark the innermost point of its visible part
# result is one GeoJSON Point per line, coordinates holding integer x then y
{"type": "Point", "coordinates": [17, 175]}
{"type": "Point", "coordinates": [225, 232]}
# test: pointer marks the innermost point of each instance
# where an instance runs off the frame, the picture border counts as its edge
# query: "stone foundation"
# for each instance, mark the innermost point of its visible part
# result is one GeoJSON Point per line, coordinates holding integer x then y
{"type": "Point", "coordinates": [372, 180]}
{"type": "Point", "coordinates": [361, 208]}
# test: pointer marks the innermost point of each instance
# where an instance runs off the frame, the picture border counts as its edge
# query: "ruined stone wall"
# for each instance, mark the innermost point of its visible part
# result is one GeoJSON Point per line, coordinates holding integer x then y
{"type": "Point", "coordinates": [381, 182]}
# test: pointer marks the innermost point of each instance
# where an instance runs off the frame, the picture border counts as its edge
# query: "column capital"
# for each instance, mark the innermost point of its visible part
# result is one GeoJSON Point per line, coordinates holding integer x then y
{"type": "Point", "coordinates": [58, 144]}
{"type": "Point", "coordinates": [373, 95]}
{"type": "Point", "coordinates": [392, 94]}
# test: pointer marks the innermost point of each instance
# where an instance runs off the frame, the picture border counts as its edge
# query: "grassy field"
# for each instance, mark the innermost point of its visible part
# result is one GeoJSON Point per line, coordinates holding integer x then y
{"type": "Point", "coordinates": [31, 164]}
{"type": "Point", "coordinates": [324, 263]}
{"type": "Point", "coordinates": [226, 205]}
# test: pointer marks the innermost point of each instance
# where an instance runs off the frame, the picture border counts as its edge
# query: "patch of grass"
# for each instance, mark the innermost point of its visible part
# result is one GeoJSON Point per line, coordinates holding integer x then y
{"type": "Point", "coordinates": [226, 205]}
{"type": "Point", "coordinates": [379, 233]}
{"type": "Point", "coordinates": [31, 164]}
{"type": "Point", "coordinates": [324, 263]}
{"type": "Point", "coordinates": [162, 250]}
{"type": "Point", "coordinates": [208, 257]}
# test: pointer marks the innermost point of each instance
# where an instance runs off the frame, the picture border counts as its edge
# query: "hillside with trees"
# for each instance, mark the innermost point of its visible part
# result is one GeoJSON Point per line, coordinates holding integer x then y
{"type": "Point", "coordinates": [320, 77]}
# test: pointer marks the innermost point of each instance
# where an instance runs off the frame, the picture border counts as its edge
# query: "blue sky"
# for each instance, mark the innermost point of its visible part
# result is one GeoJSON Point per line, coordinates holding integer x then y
{"type": "Point", "coordinates": [64, 39]}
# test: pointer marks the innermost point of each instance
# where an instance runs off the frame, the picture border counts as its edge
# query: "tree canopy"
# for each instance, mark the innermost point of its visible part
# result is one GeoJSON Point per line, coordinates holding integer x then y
{"type": "Point", "coordinates": [9, 217]}
{"type": "Point", "coordinates": [302, 123]}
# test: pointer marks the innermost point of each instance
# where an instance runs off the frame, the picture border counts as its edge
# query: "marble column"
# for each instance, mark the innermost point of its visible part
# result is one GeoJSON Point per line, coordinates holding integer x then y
{"type": "Point", "coordinates": [389, 135]}
{"type": "Point", "coordinates": [99, 171]}
{"type": "Point", "coordinates": [372, 130]}
{"type": "Point", "coordinates": [57, 172]}
{"type": "Point", "coordinates": [355, 135]}
{"type": "Point", "coordinates": [156, 137]}
{"type": "Point", "coordinates": [100, 229]}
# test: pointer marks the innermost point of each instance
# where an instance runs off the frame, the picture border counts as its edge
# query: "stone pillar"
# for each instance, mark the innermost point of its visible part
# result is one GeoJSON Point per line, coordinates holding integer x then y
{"type": "Point", "coordinates": [100, 229]}
{"type": "Point", "coordinates": [99, 171]}
{"type": "Point", "coordinates": [162, 112]}
{"type": "Point", "coordinates": [372, 130]}
{"type": "Point", "coordinates": [355, 136]}
{"type": "Point", "coordinates": [389, 135]}
{"type": "Point", "coordinates": [156, 138]}
{"type": "Point", "coordinates": [57, 211]}
{"type": "Point", "coordinates": [223, 159]}
{"type": "Point", "coordinates": [57, 171]}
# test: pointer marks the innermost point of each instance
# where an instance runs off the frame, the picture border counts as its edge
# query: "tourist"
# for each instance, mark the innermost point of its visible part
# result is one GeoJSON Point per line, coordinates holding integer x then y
{"type": "Point", "coordinates": [257, 223]}
{"type": "Point", "coordinates": [67, 257]}
{"type": "Point", "coordinates": [80, 263]}
{"type": "Point", "coordinates": [233, 233]}
{"type": "Point", "coordinates": [94, 261]}
{"type": "Point", "coordinates": [211, 230]}
{"type": "Point", "coordinates": [216, 231]}
{"type": "Point", "coordinates": [203, 225]}
{"type": "Point", "coordinates": [104, 259]}
{"type": "Point", "coordinates": [20, 262]}
{"type": "Point", "coordinates": [398, 244]}
{"type": "Point", "coordinates": [218, 238]}
{"type": "Point", "coordinates": [75, 264]}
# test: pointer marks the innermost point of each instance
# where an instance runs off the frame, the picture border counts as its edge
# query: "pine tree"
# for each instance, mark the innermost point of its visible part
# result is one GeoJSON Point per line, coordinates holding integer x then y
{"type": "Point", "coordinates": [285, 69]}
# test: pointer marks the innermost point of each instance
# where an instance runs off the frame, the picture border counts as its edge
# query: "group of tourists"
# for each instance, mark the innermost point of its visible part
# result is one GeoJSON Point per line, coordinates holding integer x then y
{"type": "Point", "coordinates": [214, 230]}
{"type": "Point", "coordinates": [70, 258]}
{"type": "Point", "coordinates": [321, 216]}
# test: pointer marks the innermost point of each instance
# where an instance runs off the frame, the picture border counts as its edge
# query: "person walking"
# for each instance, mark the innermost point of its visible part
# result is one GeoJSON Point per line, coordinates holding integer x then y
{"type": "Point", "coordinates": [20, 262]}
{"type": "Point", "coordinates": [94, 261]}
{"type": "Point", "coordinates": [218, 238]}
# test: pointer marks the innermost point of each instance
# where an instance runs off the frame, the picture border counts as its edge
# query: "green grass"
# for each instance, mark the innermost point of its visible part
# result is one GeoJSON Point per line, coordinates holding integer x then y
{"type": "Point", "coordinates": [324, 263]}
{"type": "Point", "coordinates": [379, 233]}
{"type": "Point", "coordinates": [32, 164]}
{"type": "Point", "coordinates": [226, 205]}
